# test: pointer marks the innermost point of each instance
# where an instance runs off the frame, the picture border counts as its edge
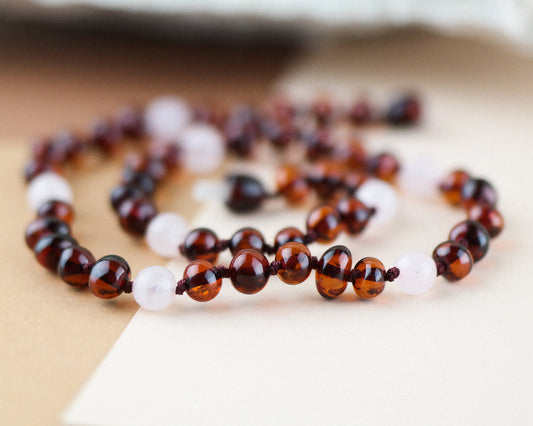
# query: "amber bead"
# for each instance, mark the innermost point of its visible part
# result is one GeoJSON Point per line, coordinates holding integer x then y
{"type": "Point", "coordinates": [332, 271]}
{"type": "Point", "coordinates": [490, 218]}
{"type": "Point", "coordinates": [246, 238]}
{"type": "Point", "coordinates": [404, 111]}
{"type": "Point", "coordinates": [121, 193]}
{"type": "Point", "coordinates": [73, 267]}
{"type": "Point", "coordinates": [203, 279]}
{"type": "Point", "coordinates": [291, 183]}
{"type": "Point", "coordinates": [58, 209]}
{"type": "Point", "coordinates": [34, 168]}
{"type": "Point", "coordinates": [455, 258]}
{"type": "Point", "coordinates": [369, 279]}
{"type": "Point", "coordinates": [244, 193]}
{"type": "Point", "coordinates": [478, 192]}
{"type": "Point", "coordinates": [326, 179]}
{"type": "Point", "coordinates": [108, 276]}
{"type": "Point", "coordinates": [318, 144]}
{"type": "Point", "coordinates": [452, 185]}
{"type": "Point", "coordinates": [323, 110]}
{"type": "Point", "coordinates": [353, 156]}
{"type": "Point", "coordinates": [105, 135]}
{"type": "Point", "coordinates": [324, 222]}
{"type": "Point", "coordinates": [295, 263]}
{"type": "Point", "coordinates": [360, 112]}
{"type": "Point", "coordinates": [354, 214]}
{"type": "Point", "coordinates": [384, 166]}
{"type": "Point", "coordinates": [200, 244]}
{"type": "Point", "coordinates": [136, 214]}
{"type": "Point", "coordinates": [249, 271]}
{"type": "Point", "coordinates": [473, 236]}
{"type": "Point", "coordinates": [130, 121]}
{"type": "Point", "coordinates": [287, 235]}
{"type": "Point", "coordinates": [140, 180]}
{"type": "Point", "coordinates": [49, 248]}
{"type": "Point", "coordinates": [43, 226]}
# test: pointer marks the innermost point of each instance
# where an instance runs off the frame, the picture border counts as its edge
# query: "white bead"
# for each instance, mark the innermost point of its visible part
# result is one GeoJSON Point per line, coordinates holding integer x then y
{"type": "Point", "coordinates": [48, 186]}
{"type": "Point", "coordinates": [209, 191]}
{"type": "Point", "coordinates": [165, 232]}
{"type": "Point", "coordinates": [166, 117]}
{"type": "Point", "coordinates": [380, 195]}
{"type": "Point", "coordinates": [154, 288]}
{"type": "Point", "coordinates": [419, 177]}
{"type": "Point", "coordinates": [418, 272]}
{"type": "Point", "coordinates": [202, 148]}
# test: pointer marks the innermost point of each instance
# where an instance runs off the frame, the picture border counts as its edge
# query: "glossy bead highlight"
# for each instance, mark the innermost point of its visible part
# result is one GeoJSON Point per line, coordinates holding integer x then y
{"type": "Point", "coordinates": [249, 271]}
{"type": "Point", "coordinates": [370, 278]}
{"type": "Point", "coordinates": [333, 271]}
{"type": "Point", "coordinates": [108, 276]}
{"type": "Point", "coordinates": [203, 279]}
{"type": "Point", "coordinates": [295, 263]}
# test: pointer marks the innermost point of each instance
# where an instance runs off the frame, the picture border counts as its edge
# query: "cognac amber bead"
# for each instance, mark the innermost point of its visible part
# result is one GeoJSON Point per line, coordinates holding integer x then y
{"type": "Point", "coordinates": [245, 193]}
{"type": "Point", "coordinates": [332, 271]}
{"type": "Point", "coordinates": [140, 180]}
{"type": "Point", "coordinates": [130, 122]}
{"type": "Point", "coordinates": [108, 276]}
{"type": "Point", "coordinates": [324, 222]}
{"type": "Point", "coordinates": [249, 271]}
{"type": "Point", "coordinates": [43, 226]}
{"type": "Point", "coordinates": [455, 258]}
{"type": "Point", "coordinates": [405, 111]}
{"type": "Point", "coordinates": [360, 113]}
{"type": "Point", "coordinates": [478, 192]}
{"type": "Point", "coordinates": [203, 279]}
{"type": "Point", "coordinates": [246, 238]}
{"type": "Point", "coordinates": [292, 184]}
{"type": "Point", "coordinates": [326, 179]}
{"type": "Point", "coordinates": [369, 278]}
{"type": "Point", "coordinates": [287, 235]}
{"type": "Point", "coordinates": [384, 166]}
{"type": "Point", "coordinates": [135, 215]}
{"type": "Point", "coordinates": [473, 236]}
{"type": "Point", "coordinates": [490, 218]}
{"type": "Point", "coordinates": [353, 156]}
{"type": "Point", "coordinates": [452, 185]}
{"type": "Point", "coordinates": [354, 214]}
{"type": "Point", "coordinates": [200, 244]}
{"type": "Point", "coordinates": [295, 263]}
{"type": "Point", "coordinates": [49, 248]}
{"type": "Point", "coordinates": [57, 209]}
{"type": "Point", "coordinates": [34, 168]}
{"type": "Point", "coordinates": [121, 193]}
{"type": "Point", "coordinates": [73, 267]}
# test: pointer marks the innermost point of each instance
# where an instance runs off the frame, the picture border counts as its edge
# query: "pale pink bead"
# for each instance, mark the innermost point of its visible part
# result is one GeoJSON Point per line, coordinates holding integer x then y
{"type": "Point", "coordinates": [48, 186]}
{"type": "Point", "coordinates": [166, 117]}
{"type": "Point", "coordinates": [380, 195]}
{"type": "Point", "coordinates": [420, 178]}
{"type": "Point", "coordinates": [154, 288]}
{"type": "Point", "coordinates": [418, 272]}
{"type": "Point", "coordinates": [202, 148]}
{"type": "Point", "coordinates": [165, 233]}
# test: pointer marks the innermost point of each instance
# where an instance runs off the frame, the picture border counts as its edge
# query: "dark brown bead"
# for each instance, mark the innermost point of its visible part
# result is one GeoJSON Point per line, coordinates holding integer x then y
{"type": "Point", "coordinates": [318, 144]}
{"type": "Point", "coordinates": [405, 111]}
{"type": "Point", "coordinates": [140, 180]}
{"type": "Point", "coordinates": [64, 146]}
{"type": "Point", "coordinates": [200, 244]}
{"type": "Point", "coordinates": [43, 226]}
{"type": "Point", "coordinates": [108, 276]}
{"type": "Point", "coordinates": [136, 214]}
{"type": "Point", "coordinates": [34, 168]}
{"type": "Point", "coordinates": [246, 238]}
{"type": "Point", "coordinates": [455, 258]}
{"type": "Point", "coordinates": [490, 218]}
{"type": "Point", "coordinates": [354, 214]}
{"type": "Point", "coordinates": [278, 132]}
{"type": "Point", "coordinates": [169, 154]}
{"type": "Point", "coordinates": [384, 166]}
{"type": "Point", "coordinates": [478, 192]}
{"type": "Point", "coordinates": [324, 223]}
{"type": "Point", "coordinates": [130, 122]}
{"type": "Point", "coordinates": [57, 209]}
{"type": "Point", "coordinates": [49, 248]}
{"type": "Point", "coordinates": [203, 279]}
{"type": "Point", "coordinates": [121, 193]}
{"type": "Point", "coordinates": [332, 271]}
{"type": "Point", "coordinates": [370, 278]}
{"type": "Point", "coordinates": [473, 236]}
{"type": "Point", "coordinates": [288, 234]}
{"type": "Point", "coordinates": [249, 271]}
{"type": "Point", "coordinates": [105, 135]}
{"type": "Point", "coordinates": [326, 179]}
{"type": "Point", "coordinates": [292, 184]}
{"type": "Point", "coordinates": [74, 265]}
{"type": "Point", "coordinates": [295, 263]}
{"type": "Point", "coordinates": [40, 147]}
{"type": "Point", "coordinates": [360, 113]}
{"type": "Point", "coordinates": [353, 155]}
{"type": "Point", "coordinates": [245, 193]}
{"type": "Point", "coordinates": [452, 186]}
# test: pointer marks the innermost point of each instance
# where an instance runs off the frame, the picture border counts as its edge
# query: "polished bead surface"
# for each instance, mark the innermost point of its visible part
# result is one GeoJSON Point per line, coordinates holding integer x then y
{"type": "Point", "coordinates": [57, 209]}
{"type": "Point", "coordinates": [46, 187]}
{"type": "Point", "coordinates": [384, 166]}
{"type": "Point", "coordinates": [249, 271]}
{"type": "Point", "coordinates": [324, 222]}
{"type": "Point", "coordinates": [326, 179]}
{"type": "Point", "coordinates": [295, 263]}
{"type": "Point", "coordinates": [135, 215]}
{"type": "Point", "coordinates": [404, 111]}
{"type": "Point", "coordinates": [452, 186]}
{"type": "Point", "coordinates": [244, 193]}
{"type": "Point", "coordinates": [49, 248]}
{"type": "Point", "coordinates": [166, 117]}
{"type": "Point", "coordinates": [455, 258]}
{"type": "Point", "coordinates": [246, 238]}
{"type": "Point", "coordinates": [418, 272]}
{"type": "Point", "coordinates": [165, 232]}
{"type": "Point", "coordinates": [380, 195]}
{"type": "Point", "coordinates": [140, 180]}
{"type": "Point", "coordinates": [478, 192]}
{"type": "Point", "coordinates": [154, 288]}
{"type": "Point", "coordinates": [332, 271]}
{"type": "Point", "coordinates": [73, 266]}
{"type": "Point", "coordinates": [108, 276]}
{"type": "Point", "coordinates": [288, 234]}
{"type": "Point", "coordinates": [354, 214]}
{"type": "Point", "coordinates": [121, 193]}
{"type": "Point", "coordinates": [490, 218]}
{"type": "Point", "coordinates": [202, 148]}
{"type": "Point", "coordinates": [203, 279]}
{"type": "Point", "coordinates": [200, 244]}
{"type": "Point", "coordinates": [473, 236]}
{"type": "Point", "coordinates": [370, 278]}
{"type": "Point", "coordinates": [34, 168]}
{"type": "Point", "coordinates": [43, 226]}
{"type": "Point", "coordinates": [291, 183]}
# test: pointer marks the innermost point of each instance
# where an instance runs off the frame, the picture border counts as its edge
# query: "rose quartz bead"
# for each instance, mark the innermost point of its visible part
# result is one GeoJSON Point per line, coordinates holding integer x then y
{"type": "Point", "coordinates": [46, 187]}
{"type": "Point", "coordinates": [418, 272]}
{"type": "Point", "coordinates": [154, 288]}
{"type": "Point", "coordinates": [165, 232]}
{"type": "Point", "coordinates": [202, 148]}
{"type": "Point", "coordinates": [380, 195]}
{"type": "Point", "coordinates": [166, 117]}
